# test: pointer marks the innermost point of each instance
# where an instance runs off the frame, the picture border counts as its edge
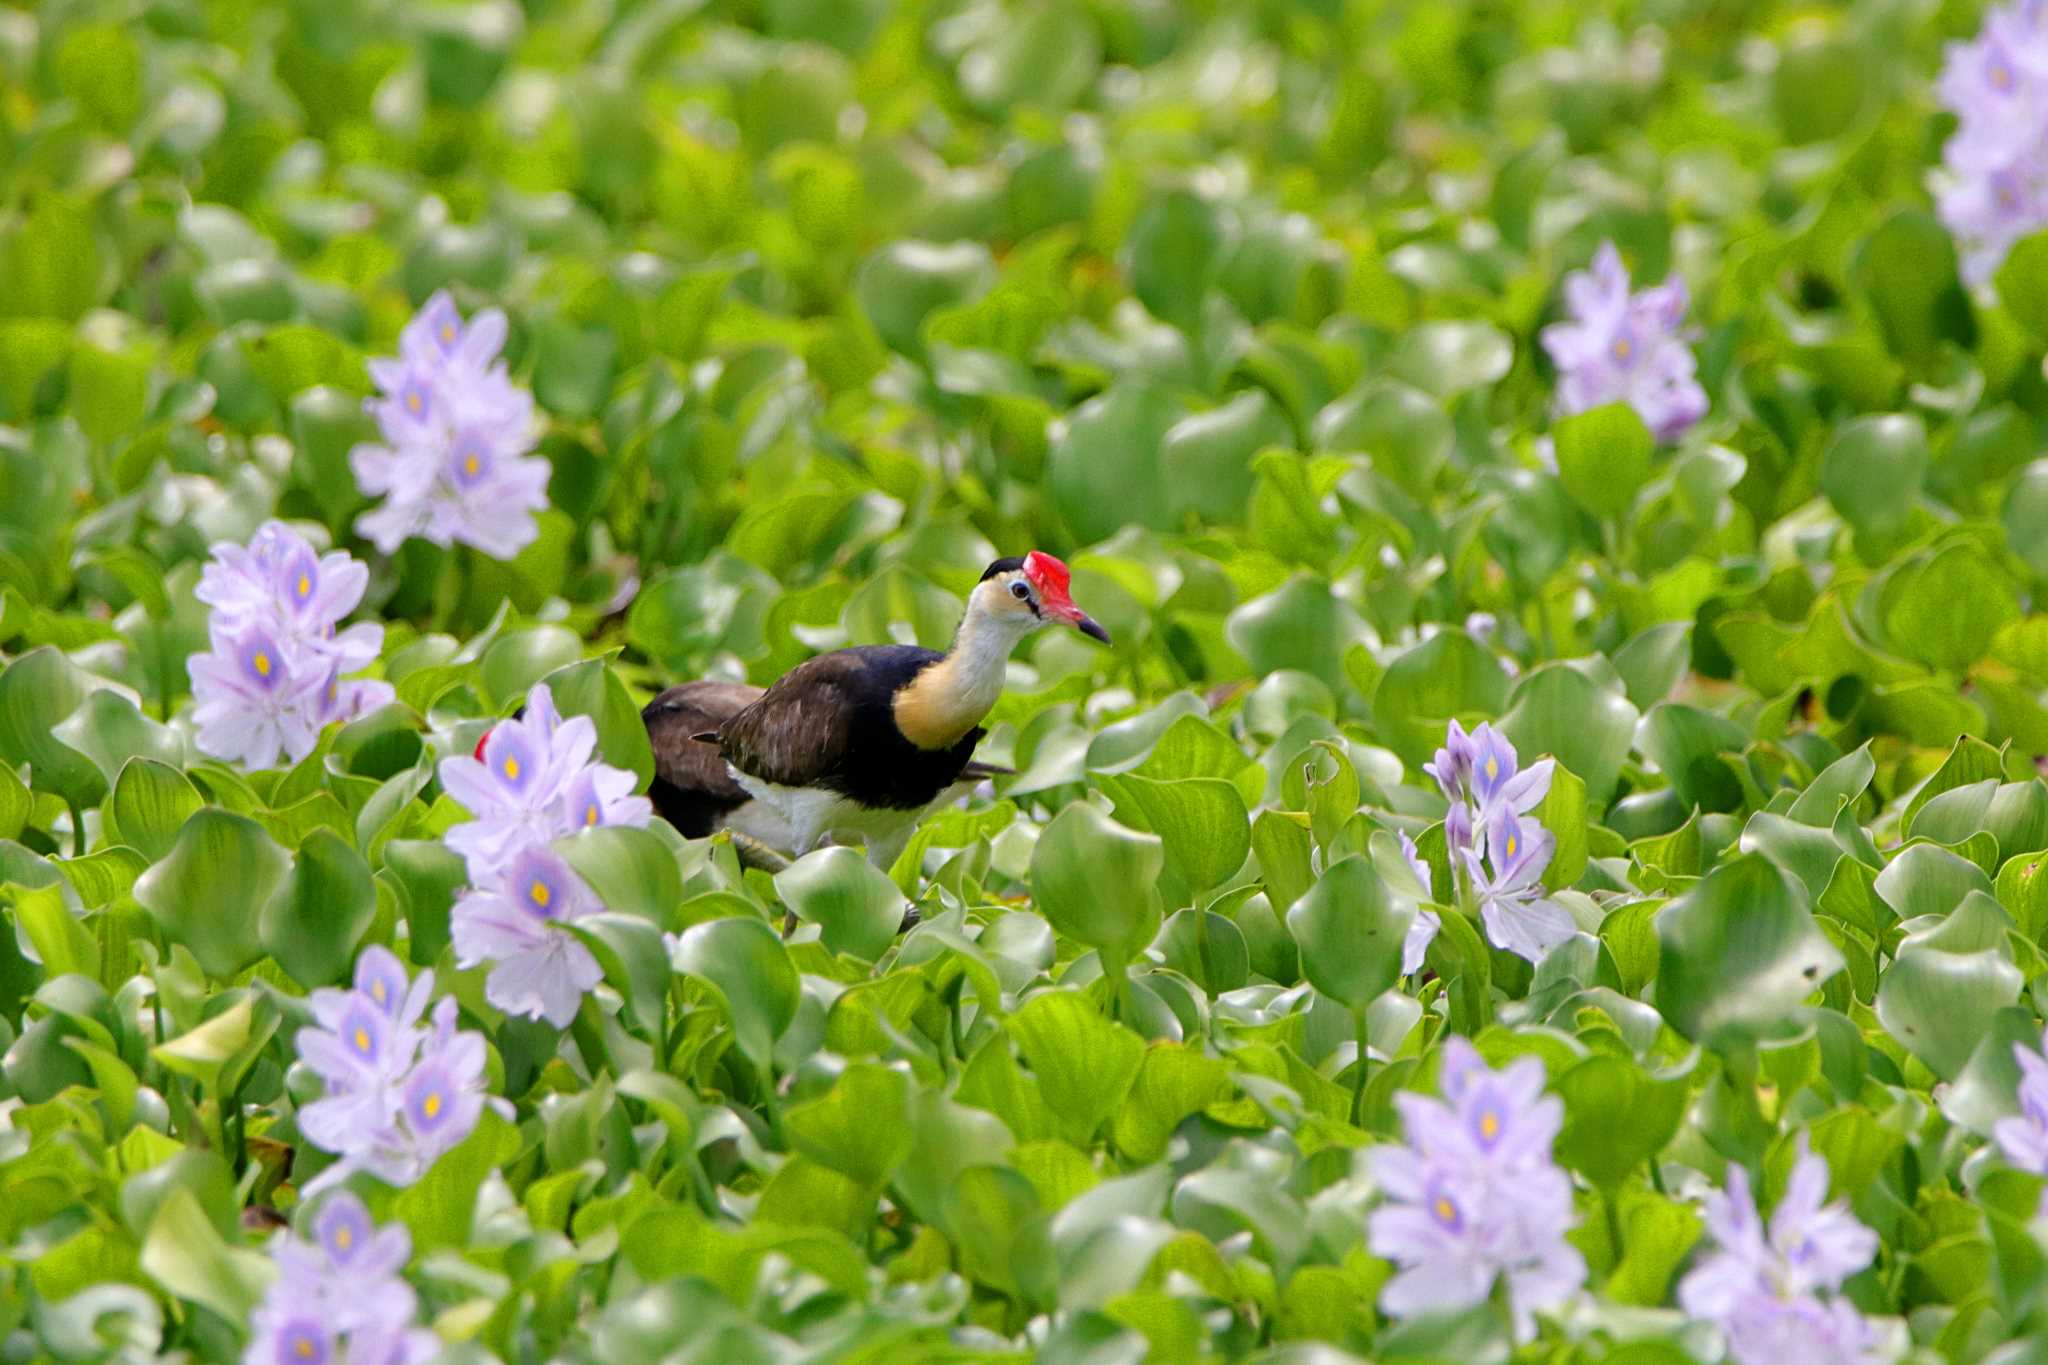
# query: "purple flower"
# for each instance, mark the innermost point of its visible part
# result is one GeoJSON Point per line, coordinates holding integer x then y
{"type": "Point", "coordinates": [272, 679]}
{"type": "Point", "coordinates": [1474, 1198]}
{"type": "Point", "coordinates": [1509, 887]}
{"type": "Point", "coordinates": [341, 1297]}
{"type": "Point", "coordinates": [1763, 1287]}
{"type": "Point", "coordinates": [1993, 186]}
{"type": "Point", "coordinates": [532, 781]}
{"type": "Point", "coordinates": [1620, 347]}
{"type": "Point", "coordinates": [250, 703]}
{"type": "Point", "coordinates": [1422, 930]}
{"type": "Point", "coordinates": [396, 1095]}
{"type": "Point", "coordinates": [2023, 1137]}
{"type": "Point", "coordinates": [539, 970]}
{"type": "Point", "coordinates": [1767, 1330]}
{"type": "Point", "coordinates": [1452, 766]}
{"type": "Point", "coordinates": [454, 466]}
{"type": "Point", "coordinates": [518, 786]}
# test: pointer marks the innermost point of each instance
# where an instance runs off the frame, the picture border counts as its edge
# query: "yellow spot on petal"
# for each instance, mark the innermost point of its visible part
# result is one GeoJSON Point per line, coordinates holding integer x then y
{"type": "Point", "coordinates": [344, 1237]}
{"type": "Point", "coordinates": [413, 403]}
{"type": "Point", "coordinates": [1622, 349]}
{"type": "Point", "coordinates": [431, 1105]}
{"type": "Point", "coordinates": [378, 991]}
{"type": "Point", "coordinates": [590, 814]}
{"type": "Point", "coordinates": [1513, 844]}
{"type": "Point", "coordinates": [469, 465]}
{"type": "Point", "coordinates": [512, 769]}
{"type": "Point", "coordinates": [1492, 768]}
{"type": "Point", "coordinates": [1489, 1125]}
{"type": "Point", "coordinates": [540, 893]}
{"type": "Point", "coordinates": [1446, 1211]}
{"type": "Point", "coordinates": [262, 662]}
{"type": "Point", "coordinates": [305, 585]}
{"type": "Point", "coordinates": [362, 1039]}
{"type": "Point", "coordinates": [447, 334]}
{"type": "Point", "coordinates": [302, 1347]}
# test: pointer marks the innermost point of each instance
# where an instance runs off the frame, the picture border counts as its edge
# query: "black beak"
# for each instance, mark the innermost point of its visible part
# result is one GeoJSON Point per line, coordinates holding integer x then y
{"type": "Point", "coordinates": [1089, 626]}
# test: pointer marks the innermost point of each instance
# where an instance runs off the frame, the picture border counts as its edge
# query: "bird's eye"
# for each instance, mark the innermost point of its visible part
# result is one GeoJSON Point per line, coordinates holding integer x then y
{"type": "Point", "coordinates": [1019, 590]}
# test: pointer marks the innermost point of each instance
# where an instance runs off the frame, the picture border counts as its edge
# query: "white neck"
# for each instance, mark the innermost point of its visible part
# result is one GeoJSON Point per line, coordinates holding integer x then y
{"type": "Point", "coordinates": [980, 658]}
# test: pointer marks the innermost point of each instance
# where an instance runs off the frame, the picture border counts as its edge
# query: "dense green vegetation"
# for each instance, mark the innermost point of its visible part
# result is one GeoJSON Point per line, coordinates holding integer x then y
{"type": "Point", "coordinates": [1239, 307]}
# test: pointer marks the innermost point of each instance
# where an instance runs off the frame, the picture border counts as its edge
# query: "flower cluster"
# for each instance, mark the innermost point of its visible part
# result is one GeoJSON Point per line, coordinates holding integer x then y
{"type": "Point", "coordinates": [1771, 1292]}
{"type": "Point", "coordinates": [531, 781]}
{"type": "Point", "coordinates": [398, 1094]}
{"type": "Point", "coordinates": [1994, 181]}
{"type": "Point", "coordinates": [1474, 1197]}
{"type": "Point", "coordinates": [340, 1296]}
{"type": "Point", "coordinates": [273, 676]}
{"type": "Point", "coordinates": [1498, 852]}
{"type": "Point", "coordinates": [1628, 348]}
{"type": "Point", "coordinates": [2023, 1137]}
{"type": "Point", "coordinates": [454, 464]}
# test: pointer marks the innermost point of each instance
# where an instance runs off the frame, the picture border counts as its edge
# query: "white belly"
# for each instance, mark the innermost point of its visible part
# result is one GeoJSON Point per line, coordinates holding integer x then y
{"type": "Point", "coordinates": [813, 814]}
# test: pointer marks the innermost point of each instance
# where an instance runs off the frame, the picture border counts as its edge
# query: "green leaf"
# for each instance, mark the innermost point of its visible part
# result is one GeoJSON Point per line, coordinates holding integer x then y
{"type": "Point", "coordinates": [860, 1128]}
{"type": "Point", "coordinates": [1872, 470]}
{"type": "Point", "coordinates": [317, 917]}
{"type": "Point", "coordinates": [518, 659]}
{"type": "Point", "coordinates": [219, 1052]}
{"type": "Point", "coordinates": [1617, 1116]}
{"type": "Point", "coordinates": [746, 964]}
{"type": "Point", "coordinates": [1172, 1083]}
{"type": "Point", "coordinates": [1907, 269]}
{"type": "Point", "coordinates": [1176, 253]}
{"type": "Point", "coordinates": [1351, 928]}
{"type": "Point", "coordinates": [1097, 880]}
{"type": "Point", "coordinates": [1687, 744]}
{"type": "Point", "coordinates": [1942, 990]}
{"type": "Point", "coordinates": [856, 906]}
{"type": "Point", "coordinates": [1201, 822]}
{"type": "Point", "coordinates": [209, 892]}
{"type": "Point", "coordinates": [184, 1253]}
{"type": "Point", "coordinates": [1739, 951]}
{"type": "Point", "coordinates": [591, 688]}
{"type": "Point", "coordinates": [1558, 710]}
{"type": "Point", "coordinates": [632, 870]}
{"type": "Point", "coordinates": [1448, 676]}
{"type": "Point", "coordinates": [631, 952]}
{"type": "Point", "coordinates": [151, 802]}
{"type": "Point", "coordinates": [1085, 1064]}
{"type": "Point", "coordinates": [440, 1207]}
{"type": "Point", "coordinates": [37, 692]}
{"type": "Point", "coordinates": [1603, 458]}
{"type": "Point", "coordinates": [1944, 611]}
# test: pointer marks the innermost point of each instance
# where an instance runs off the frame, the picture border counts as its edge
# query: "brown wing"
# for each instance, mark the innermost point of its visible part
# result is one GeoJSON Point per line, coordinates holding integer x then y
{"type": "Point", "coordinates": [678, 715]}
{"type": "Point", "coordinates": [801, 729]}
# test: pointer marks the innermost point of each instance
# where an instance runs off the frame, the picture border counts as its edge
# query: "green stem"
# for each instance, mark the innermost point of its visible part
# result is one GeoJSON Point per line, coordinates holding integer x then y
{"type": "Point", "coordinates": [77, 829]}
{"type": "Point", "coordinates": [1609, 1199]}
{"type": "Point", "coordinates": [1657, 1179]}
{"type": "Point", "coordinates": [1358, 1069]}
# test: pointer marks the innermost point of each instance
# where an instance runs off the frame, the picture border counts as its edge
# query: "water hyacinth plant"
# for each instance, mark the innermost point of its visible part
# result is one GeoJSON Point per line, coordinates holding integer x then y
{"type": "Point", "coordinates": [531, 781]}
{"type": "Point", "coordinates": [341, 1298]}
{"type": "Point", "coordinates": [454, 466]}
{"type": "Point", "coordinates": [398, 1092]}
{"type": "Point", "coordinates": [1498, 852]}
{"type": "Point", "coordinates": [1474, 1198]}
{"type": "Point", "coordinates": [1623, 347]}
{"type": "Point", "coordinates": [1993, 183]}
{"type": "Point", "coordinates": [274, 676]}
{"type": "Point", "coordinates": [1771, 1290]}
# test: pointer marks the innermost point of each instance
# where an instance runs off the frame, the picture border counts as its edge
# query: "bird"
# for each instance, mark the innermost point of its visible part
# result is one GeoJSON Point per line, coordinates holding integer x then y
{"type": "Point", "coordinates": [858, 743]}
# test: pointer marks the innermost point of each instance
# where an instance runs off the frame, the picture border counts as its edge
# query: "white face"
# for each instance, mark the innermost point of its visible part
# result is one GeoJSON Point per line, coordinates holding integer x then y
{"type": "Point", "coordinates": [1009, 600]}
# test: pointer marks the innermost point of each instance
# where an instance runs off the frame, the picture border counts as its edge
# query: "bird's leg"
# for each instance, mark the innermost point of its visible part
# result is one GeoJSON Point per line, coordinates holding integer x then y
{"type": "Point", "coordinates": [753, 853]}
